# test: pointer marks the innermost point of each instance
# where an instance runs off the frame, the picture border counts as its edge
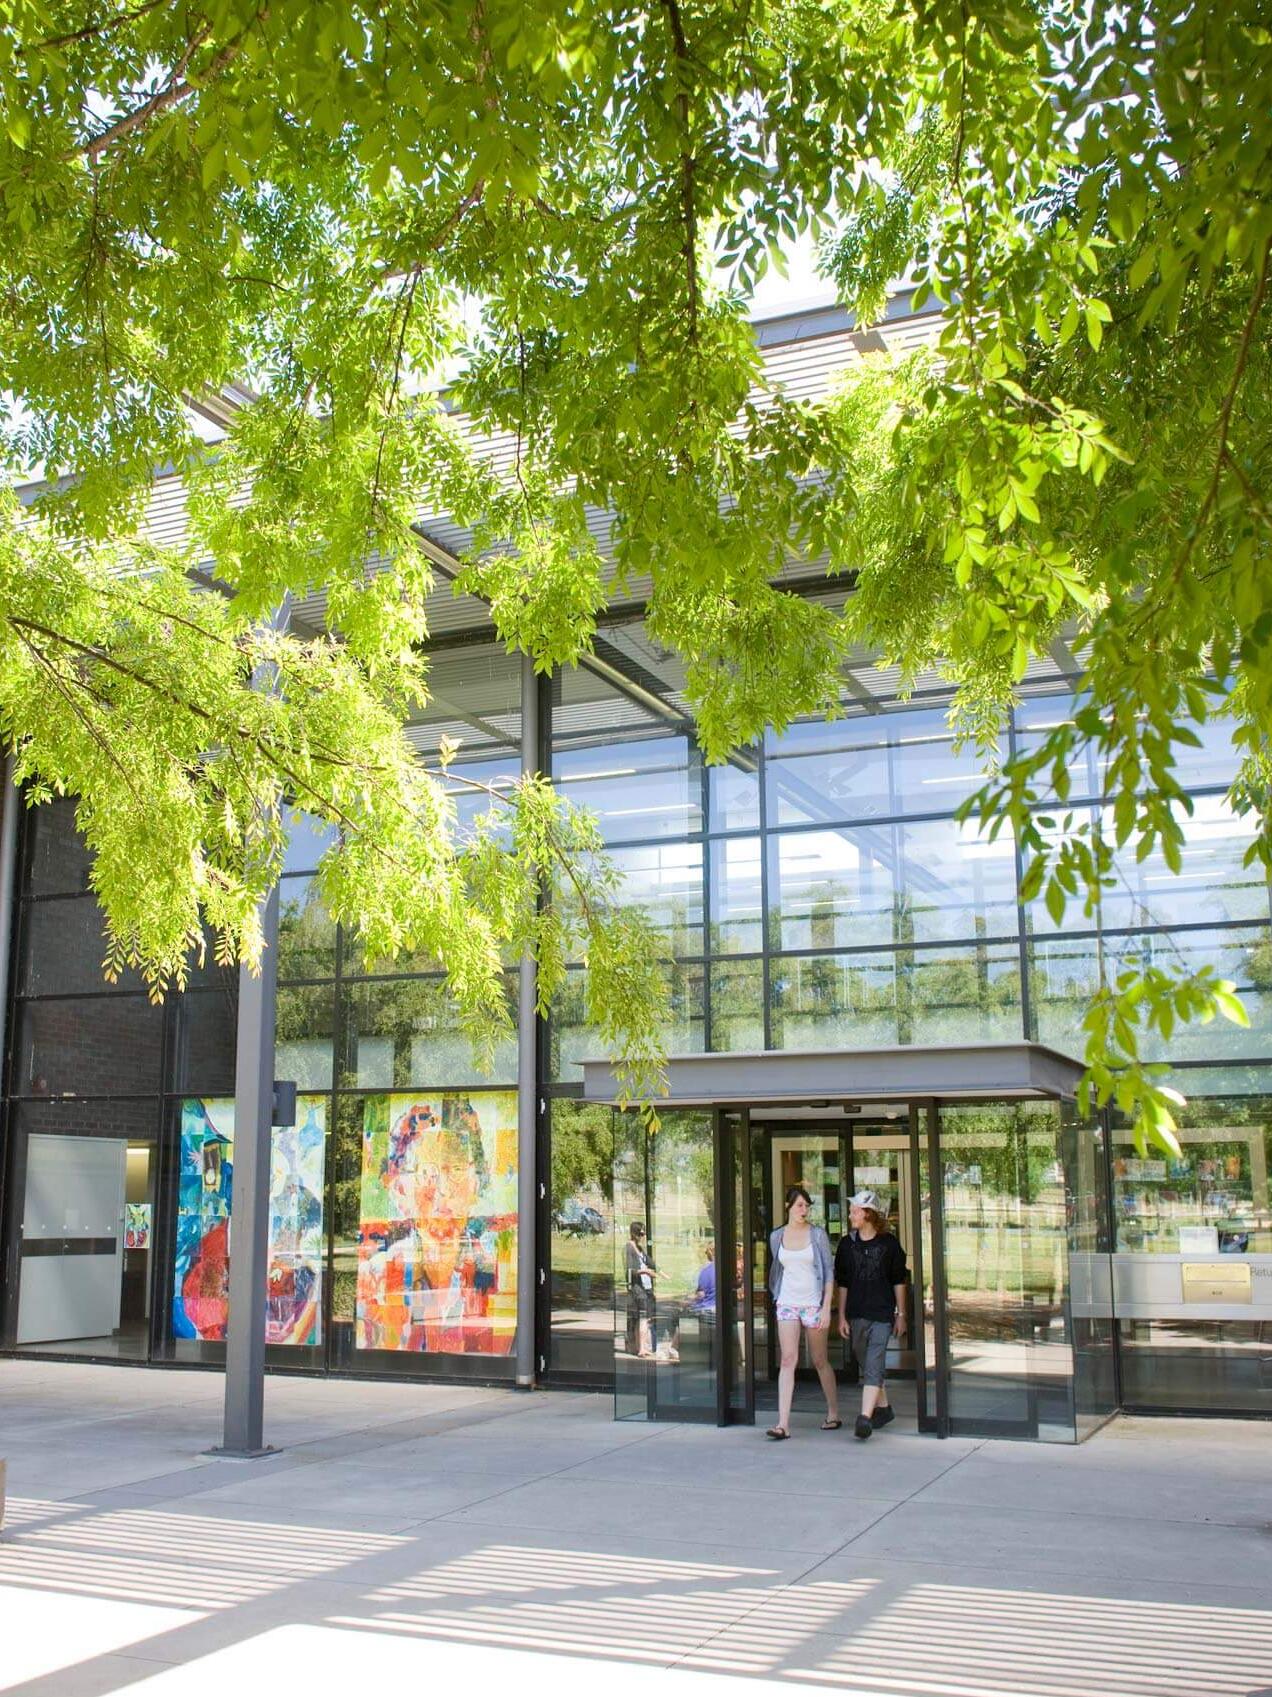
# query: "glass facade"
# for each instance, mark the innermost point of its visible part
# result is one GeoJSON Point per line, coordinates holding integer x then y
{"type": "Point", "coordinates": [814, 892]}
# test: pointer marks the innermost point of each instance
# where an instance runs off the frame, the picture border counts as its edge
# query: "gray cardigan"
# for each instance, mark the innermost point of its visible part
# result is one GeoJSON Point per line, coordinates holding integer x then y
{"type": "Point", "coordinates": [821, 1255]}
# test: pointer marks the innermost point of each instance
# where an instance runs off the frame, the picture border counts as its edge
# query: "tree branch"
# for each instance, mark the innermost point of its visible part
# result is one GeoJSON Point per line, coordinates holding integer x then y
{"type": "Point", "coordinates": [688, 166]}
{"type": "Point", "coordinates": [177, 89]}
{"type": "Point", "coordinates": [105, 27]}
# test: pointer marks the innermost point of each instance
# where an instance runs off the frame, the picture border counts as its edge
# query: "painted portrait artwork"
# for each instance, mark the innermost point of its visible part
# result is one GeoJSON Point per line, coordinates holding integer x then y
{"type": "Point", "coordinates": [200, 1300]}
{"type": "Point", "coordinates": [437, 1250]}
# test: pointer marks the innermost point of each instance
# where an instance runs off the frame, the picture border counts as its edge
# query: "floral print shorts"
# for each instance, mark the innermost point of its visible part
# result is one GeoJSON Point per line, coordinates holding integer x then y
{"type": "Point", "coordinates": [809, 1318]}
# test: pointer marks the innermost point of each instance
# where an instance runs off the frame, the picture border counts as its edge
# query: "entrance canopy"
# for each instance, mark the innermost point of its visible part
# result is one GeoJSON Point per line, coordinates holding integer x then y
{"type": "Point", "coordinates": [946, 1071]}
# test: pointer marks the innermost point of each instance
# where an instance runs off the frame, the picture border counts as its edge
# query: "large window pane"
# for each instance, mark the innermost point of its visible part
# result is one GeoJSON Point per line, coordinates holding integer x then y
{"type": "Point", "coordinates": [304, 1036]}
{"type": "Point", "coordinates": [402, 1031]}
{"type": "Point", "coordinates": [834, 1001]}
{"type": "Point", "coordinates": [835, 887]}
{"type": "Point", "coordinates": [1242, 954]}
{"type": "Point", "coordinates": [665, 881]}
{"type": "Point", "coordinates": [574, 1038]}
{"type": "Point", "coordinates": [733, 798]}
{"type": "Point", "coordinates": [954, 882]}
{"type": "Point", "coordinates": [926, 881]}
{"type": "Point", "coordinates": [1064, 974]}
{"type": "Point", "coordinates": [308, 839]}
{"type": "Point", "coordinates": [737, 903]}
{"type": "Point", "coordinates": [582, 1270]}
{"type": "Point", "coordinates": [1212, 765]}
{"type": "Point", "coordinates": [1006, 1271]}
{"type": "Point", "coordinates": [869, 767]}
{"type": "Point", "coordinates": [962, 995]}
{"type": "Point", "coordinates": [1213, 885]}
{"type": "Point", "coordinates": [637, 790]}
{"type": "Point", "coordinates": [1194, 1242]}
{"type": "Point", "coordinates": [737, 1005]}
{"type": "Point", "coordinates": [306, 932]}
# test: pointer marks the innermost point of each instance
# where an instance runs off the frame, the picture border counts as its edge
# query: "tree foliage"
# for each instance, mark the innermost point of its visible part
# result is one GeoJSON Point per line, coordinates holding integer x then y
{"type": "Point", "coordinates": [559, 210]}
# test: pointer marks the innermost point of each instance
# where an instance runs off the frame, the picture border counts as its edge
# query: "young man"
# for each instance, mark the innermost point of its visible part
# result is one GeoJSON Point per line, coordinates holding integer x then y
{"type": "Point", "coordinates": [871, 1274]}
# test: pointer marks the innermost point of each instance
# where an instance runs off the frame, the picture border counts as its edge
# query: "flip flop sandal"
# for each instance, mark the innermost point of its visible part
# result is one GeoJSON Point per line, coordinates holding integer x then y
{"type": "Point", "coordinates": [777, 1433]}
{"type": "Point", "coordinates": [831, 1425]}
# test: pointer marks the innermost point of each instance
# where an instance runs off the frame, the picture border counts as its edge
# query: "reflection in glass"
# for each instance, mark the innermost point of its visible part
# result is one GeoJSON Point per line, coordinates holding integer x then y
{"type": "Point", "coordinates": [636, 789]}
{"type": "Point", "coordinates": [1006, 1270]}
{"type": "Point", "coordinates": [968, 994]}
{"type": "Point", "coordinates": [665, 1356]}
{"type": "Point", "coordinates": [1212, 885]}
{"type": "Point", "coordinates": [737, 900]}
{"type": "Point", "coordinates": [404, 1030]}
{"type": "Point", "coordinates": [582, 1257]}
{"type": "Point", "coordinates": [1064, 973]}
{"type": "Point", "coordinates": [306, 931]}
{"type": "Point", "coordinates": [927, 881]}
{"type": "Point", "coordinates": [303, 1038]}
{"type": "Point", "coordinates": [575, 1039]}
{"type": "Point", "coordinates": [834, 1001]}
{"type": "Point", "coordinates": [737, 1005]}
{"type": "Point", "coordinates": [868, 767]}
{"type": "Point", "coordinates": [1242, 954]}
{"type": "Point", "coordinates": [733, 794]}
{"type": "Point", "coordinates": [664, 880]}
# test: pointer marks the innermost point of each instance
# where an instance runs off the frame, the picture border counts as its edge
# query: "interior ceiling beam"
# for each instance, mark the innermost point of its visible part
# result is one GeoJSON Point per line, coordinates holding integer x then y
{"type": "Point", "coordinates": [221, 406]}
{"type": "Point", "coordinates": [858, 690]}
{"type": "Point", "coordinates": [1062, 654]}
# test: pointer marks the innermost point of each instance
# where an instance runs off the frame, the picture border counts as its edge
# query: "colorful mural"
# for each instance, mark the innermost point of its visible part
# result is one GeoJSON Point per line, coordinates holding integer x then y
{"type": "Point", "coordinates": [293, 1311]}
{"type": "Point", "coordinates": [200, 1303]}
{"type": "Point", "coordinates": [137, 1225]}
{"type": "Point", "coordinates": [437, 1249]}
{"type": "Point", "coordinates": [200, 1298]}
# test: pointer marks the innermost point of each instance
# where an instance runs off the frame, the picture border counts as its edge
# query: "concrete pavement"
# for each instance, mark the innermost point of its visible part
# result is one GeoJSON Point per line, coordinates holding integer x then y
{"type": "Point", "coordinates": [411, 1534]}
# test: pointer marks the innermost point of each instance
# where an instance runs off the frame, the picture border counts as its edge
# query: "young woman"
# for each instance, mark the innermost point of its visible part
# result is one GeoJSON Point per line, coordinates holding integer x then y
{"type": "Point", "coordinates": [802, 1282]}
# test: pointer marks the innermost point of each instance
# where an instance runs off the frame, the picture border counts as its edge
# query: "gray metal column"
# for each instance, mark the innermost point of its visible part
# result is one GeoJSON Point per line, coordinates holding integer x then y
{"type": "Point", "coordinates": [527, 1085]}
{"type": "Point", "coordinates": [243, 1434]}
{"type": "Point", "coordinates": [249, 1217]}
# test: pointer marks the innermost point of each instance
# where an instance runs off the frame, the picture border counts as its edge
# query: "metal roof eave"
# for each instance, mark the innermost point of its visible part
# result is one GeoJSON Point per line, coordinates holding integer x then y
{"type": "Point", "coordinates": [945, 1071]}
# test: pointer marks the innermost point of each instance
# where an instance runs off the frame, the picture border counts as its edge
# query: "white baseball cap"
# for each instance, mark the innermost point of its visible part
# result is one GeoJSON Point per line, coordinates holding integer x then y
{"type": "Point", "coordinates": [867, 1199]}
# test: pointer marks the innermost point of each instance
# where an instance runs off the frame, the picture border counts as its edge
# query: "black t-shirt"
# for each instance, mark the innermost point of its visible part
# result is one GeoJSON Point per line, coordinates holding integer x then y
{"type": "Point", "coordinates": [868, 1269]}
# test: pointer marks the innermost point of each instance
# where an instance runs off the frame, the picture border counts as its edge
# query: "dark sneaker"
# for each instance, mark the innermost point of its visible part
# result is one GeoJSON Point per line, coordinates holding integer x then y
{"type": "Point", "coordinates": [863, 1428]}
{"type": "Point", "coordinates": [883, 1417]}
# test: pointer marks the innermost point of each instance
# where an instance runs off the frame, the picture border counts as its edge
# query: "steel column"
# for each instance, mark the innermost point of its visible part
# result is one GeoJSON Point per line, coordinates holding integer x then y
{"type": "Point", "coordinates": [527, 1082]}
{"type": "Point", "coordinates": [249, 1219]}
{"type": "Point", "coordinates": [243, 1433]}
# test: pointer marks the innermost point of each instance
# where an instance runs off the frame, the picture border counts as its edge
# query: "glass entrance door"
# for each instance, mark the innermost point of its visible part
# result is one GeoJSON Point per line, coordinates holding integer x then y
{"type": "Point", "coordinates": [879, 1150]}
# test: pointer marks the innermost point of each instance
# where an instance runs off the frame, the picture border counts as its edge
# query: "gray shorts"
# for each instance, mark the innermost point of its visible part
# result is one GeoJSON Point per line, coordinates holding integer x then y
{"type": "Point", "coordinates": [870, 1339]}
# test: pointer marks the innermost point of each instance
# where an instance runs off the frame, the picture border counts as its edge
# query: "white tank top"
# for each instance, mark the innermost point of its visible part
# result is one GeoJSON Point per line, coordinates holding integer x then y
{"type": "Point", "coordinates": [800, 1288]}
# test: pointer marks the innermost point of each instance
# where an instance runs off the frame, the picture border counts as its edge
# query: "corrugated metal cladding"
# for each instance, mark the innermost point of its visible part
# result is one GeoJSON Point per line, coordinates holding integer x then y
{"type": "Point", "coordinates": [802, 356]}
